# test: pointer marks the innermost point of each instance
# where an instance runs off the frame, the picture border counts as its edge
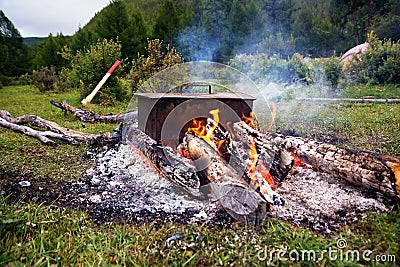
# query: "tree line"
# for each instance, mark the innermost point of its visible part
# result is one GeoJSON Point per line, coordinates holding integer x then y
{"type": "Point", "coordinates": [211, 30]}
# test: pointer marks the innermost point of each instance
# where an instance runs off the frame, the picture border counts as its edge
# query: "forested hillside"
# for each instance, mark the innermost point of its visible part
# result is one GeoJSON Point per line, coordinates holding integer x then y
{"type": "Point", "coordinates": [212, 30]}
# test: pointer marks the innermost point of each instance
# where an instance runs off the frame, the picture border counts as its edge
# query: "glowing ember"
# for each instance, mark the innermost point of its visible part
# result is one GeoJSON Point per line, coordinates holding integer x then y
{"type": "Point", "coordinates": [297, 161]}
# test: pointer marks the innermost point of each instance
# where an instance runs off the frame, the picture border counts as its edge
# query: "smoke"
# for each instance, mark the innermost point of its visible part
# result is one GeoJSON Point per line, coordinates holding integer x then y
{"type": "Point", "coordinates": [197, 45]}
{"type": "Point", "coordinates": [267, 56]}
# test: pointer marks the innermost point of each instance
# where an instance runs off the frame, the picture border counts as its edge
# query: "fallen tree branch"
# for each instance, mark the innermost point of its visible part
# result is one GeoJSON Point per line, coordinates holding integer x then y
{"type": "Point", "coordinates": [89, 116]}
{"type": "Point", "coordinates": [352, 100]}
{"type": "Point", "coordinates": [42, 136]}
{"type": "Point", "coordinates": [54, 130]}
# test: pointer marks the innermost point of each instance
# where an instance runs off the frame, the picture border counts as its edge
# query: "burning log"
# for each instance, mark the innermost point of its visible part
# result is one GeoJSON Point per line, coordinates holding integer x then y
{"type": "Point", "coordinates": [165, 160]}
{"type": "Point", "coordinates": [233, 193]}
{"type": "Point", "coordinates": [380, 173]}
{"type": "Point", "coordinates": [267, 151]}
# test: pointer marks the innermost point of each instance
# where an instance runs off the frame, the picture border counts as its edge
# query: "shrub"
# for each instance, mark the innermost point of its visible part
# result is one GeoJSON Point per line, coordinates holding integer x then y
{"type": "Point", "coordinates": [333, 71]}
{"type": "Point", "coordinates": [301, 69]}
{"type": "Point", "coordinates": [46, 79]}
{"type": "Point", "coordinates": [25, 79]}
{"type": "Point", "coordinates": [380, 64]}
{"type": "Point", "coordinates": [88, 67]}
{"type": "Point", "coordinates": [265, 68]}
{"type": "Point", "coordinates": [156, 60]}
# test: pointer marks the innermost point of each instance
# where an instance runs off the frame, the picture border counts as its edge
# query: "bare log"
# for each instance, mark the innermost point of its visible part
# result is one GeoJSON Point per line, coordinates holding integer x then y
{"type": "Point", "coordinates": [351, 100]}
{"type": "Point", "coordinates": [42, 136]}
{"type": "Point", "coordinates": [54, 130]}
{"type": "Point", "coordinates": [89, 116]}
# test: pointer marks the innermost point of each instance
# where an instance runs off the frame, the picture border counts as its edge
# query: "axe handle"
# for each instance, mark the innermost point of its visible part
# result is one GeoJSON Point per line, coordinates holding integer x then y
{"type": "Point", "coordinates": [89, 98]}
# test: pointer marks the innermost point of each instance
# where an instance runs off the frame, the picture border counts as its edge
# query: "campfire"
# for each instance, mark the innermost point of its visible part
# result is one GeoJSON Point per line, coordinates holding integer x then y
{"type": "Point", "coordinates": [242, 169]}
{"type": "Point", "coordinates": [202, 157]}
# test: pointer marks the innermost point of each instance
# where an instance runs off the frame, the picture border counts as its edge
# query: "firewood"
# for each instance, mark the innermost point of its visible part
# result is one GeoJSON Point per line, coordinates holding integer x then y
{"type": "Point", "coordinates": [241, 201]}
{"type": "Point", "coordinates": [54, 130]}
{"type": "Point", "coordinates": [380, 173]}
{"type": "Point", "coordinates": [277, 158]}
{"type": "Point", "coordinates": [42, 136]}
{"type": "Point", "coordinates": [89, 116]}
{"type": "Point", "coordinates": [172, 166]}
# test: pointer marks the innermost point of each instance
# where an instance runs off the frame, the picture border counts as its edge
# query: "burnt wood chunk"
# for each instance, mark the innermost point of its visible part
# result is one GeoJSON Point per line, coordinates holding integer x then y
{"type": "Point", "coordinates": [234, 194]}
{"type": "Point", "coordinates": [370, 170]}
{"type": "Point", "coordinates": [172, 166]}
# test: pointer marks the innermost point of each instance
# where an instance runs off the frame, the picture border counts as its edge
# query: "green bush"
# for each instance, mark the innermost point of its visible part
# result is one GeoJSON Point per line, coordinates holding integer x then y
{"type": "Point", "coordinates": [301, 69]}
{"type": "Point", "coordinates": [263, 67]}
{"type": "Point", "coordinates": [333, 71]}
{"type": "Point", "coordinates": [380, 64]}
{"type": "Point", "coordinates": [88, 67]}
{"type": "Point", "coordinates": [156, 60]}
{"type": "Point", "coordinates": [46, 79]}
{"type": "Point", "coordinates": [25, 79]}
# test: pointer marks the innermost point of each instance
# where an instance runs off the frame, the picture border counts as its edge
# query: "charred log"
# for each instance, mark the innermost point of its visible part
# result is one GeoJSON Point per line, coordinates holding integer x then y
{"type": "Point", "coordinates": [276, 159]}
{"type": "Point", "coordinates": [172, 166]}
{"type": "Point", "coordinates": [89, 116]}
{"type": "Point", "coordinates": [380, 173]}
{"type": "Point", "coordinates": [227, 185]}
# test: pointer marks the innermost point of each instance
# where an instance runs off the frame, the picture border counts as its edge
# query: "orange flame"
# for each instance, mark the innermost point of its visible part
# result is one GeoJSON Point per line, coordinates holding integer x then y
{"type": "Point", "coordinates": [200, 128]}
{"type": "Point", "coordinates": [253, 157]}
{"type": "Point", "coordinates": [248, 119]}
{"type": "Point", "coordinates": [257, 165]}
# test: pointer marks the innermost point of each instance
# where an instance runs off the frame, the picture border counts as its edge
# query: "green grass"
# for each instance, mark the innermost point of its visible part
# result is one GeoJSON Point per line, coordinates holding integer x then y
{"type": "Point", "coordinates": [376, 91]}
{"type": "Point", "coordinates": [37, 235]}
{"type": "Point", "coordinates": [372, 127]}
{"type": "Point", "coordinates": [19, 153]}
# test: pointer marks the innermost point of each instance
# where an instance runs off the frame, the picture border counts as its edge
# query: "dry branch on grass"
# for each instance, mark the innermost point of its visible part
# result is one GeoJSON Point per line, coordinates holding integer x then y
{"type": "Point", "coordinates": [89, 116]}
{"type": "Point", "coordinates": [54, 130]}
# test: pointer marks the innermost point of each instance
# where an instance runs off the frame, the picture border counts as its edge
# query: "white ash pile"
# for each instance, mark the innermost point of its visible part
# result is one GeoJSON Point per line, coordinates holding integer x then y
{"type": "Point", "coordinates": [122, 186]}
{"type": "Point", "coordinates": [323, 203]}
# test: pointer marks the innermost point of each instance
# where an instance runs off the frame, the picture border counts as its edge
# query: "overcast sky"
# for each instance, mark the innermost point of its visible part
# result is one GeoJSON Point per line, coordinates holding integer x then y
{"type": "Point", "coordinates": [39, 18]}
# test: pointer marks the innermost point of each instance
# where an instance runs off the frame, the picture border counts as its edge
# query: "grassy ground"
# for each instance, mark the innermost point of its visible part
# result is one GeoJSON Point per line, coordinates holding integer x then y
{"type": "Point", "coordinates": [33, 234]}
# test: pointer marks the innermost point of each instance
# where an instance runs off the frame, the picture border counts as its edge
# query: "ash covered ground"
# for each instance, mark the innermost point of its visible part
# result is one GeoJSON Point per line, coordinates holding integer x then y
{"type": "Point", "coordinates": [124, 187]}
